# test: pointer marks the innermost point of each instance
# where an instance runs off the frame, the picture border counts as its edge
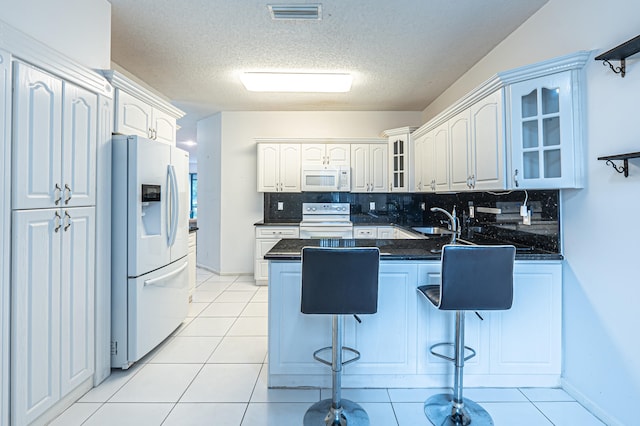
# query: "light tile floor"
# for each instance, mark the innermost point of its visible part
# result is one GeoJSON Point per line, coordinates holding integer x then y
{"type": "Point", "coordinates": [213, 370]}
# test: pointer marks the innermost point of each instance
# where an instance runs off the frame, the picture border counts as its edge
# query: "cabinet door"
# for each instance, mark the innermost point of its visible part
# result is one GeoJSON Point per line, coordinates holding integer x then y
{"type": "Point", "coordinates": [379, 172]}
{"type": "Point", "coordinates": [436, 326]}
{"type": "Point", "coordinates": [77, 297]}
{"type": "Point", "coordinates": [385, 233]}
{"type": "Point", "coordinates": [360, 164]}
{"type": "Point", "coordinates": [313, 154]}
{"type": "Point", "coordinates": [164, 127]}
{"type": "Point", "coordinates": [537, 314]}
{"type": "Point", "coordinates": [460, 141]}
{"type": "Point", "coordinates": [488, 167]}
{"type": "Point", "coordinates": [441, 158]}
{"type": "Point", "coordinates": [79, 136]}
{"type": "Point", "coordinates": [418, 159]}
{"type": "Point", "coordinates": [386, 339]}
{"type": "Point", "coordinates": [398, 163]}
{"type": "Point", "coordinates": [338, 154]}
{"type": "Point", "coordinates": [290, 168]}
{"type": "Point", "coordinates": [289, 352]}
{"type": "Point", "coordinates": [133, 116]}
{"type": "Point", "coordinates": [542, 133]}
{"type": "Point", "coordinates": [35, 324]}
{"type": "Point", "coordinates": [37, 138]}
{"type": "Point", "coordinates": [268, 167]}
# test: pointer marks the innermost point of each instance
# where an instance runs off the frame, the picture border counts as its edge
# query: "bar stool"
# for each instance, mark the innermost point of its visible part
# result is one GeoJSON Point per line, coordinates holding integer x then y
{"type": "Point", "coordinates": [473, 278]}
{"type": "Point", "coordinates": [338, 281]}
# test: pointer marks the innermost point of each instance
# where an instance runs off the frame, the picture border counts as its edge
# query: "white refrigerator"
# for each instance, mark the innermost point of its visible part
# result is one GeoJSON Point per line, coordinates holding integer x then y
{"type": "Point", "coordinates": [150, 227]}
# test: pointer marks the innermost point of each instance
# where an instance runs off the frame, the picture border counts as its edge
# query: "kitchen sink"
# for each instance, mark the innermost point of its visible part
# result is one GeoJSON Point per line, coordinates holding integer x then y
{"type": "Point", "coordinates": [431, 230]}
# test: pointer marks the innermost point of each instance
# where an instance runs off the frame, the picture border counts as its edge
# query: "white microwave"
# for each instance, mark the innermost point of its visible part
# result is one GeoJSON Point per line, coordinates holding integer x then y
{"type": "Point", "coordinates": [326, 178]}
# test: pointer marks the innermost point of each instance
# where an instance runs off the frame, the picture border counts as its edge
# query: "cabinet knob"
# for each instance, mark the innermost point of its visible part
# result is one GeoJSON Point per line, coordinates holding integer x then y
{"type": "Point", "coordinates": [515, 178]}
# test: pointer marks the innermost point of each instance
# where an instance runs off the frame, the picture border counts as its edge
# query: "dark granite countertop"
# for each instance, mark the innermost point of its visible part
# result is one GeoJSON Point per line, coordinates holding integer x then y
{"type": "Point", "coordinates": [418, 249]}
{"type": "Point", "coordinates": [280, 223]}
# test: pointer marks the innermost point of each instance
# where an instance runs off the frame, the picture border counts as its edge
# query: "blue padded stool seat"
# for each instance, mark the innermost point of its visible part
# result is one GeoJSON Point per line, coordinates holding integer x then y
{"type": "Point", "coordinates": [472, 278]}
{"type": "Point", "coordinates": [337, 282]}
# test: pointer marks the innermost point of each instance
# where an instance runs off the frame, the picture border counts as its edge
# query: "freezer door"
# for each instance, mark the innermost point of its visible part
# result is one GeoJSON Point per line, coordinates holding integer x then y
{"type": "Point", "coordinates": [180, 214]}
{"type": "Point", "coordinates": [147, 205]}
{"type": "Point", "coordinates": [157, 305]}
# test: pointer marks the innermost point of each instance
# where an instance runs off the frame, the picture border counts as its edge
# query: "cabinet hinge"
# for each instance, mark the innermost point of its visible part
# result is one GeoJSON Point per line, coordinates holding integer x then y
{"type": "Point", "coordinates": [114, 348]}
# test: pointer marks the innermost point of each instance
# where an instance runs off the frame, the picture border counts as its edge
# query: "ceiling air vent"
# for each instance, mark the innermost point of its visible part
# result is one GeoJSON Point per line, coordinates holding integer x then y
{"type": "Point", "coordinates": [296, 11]}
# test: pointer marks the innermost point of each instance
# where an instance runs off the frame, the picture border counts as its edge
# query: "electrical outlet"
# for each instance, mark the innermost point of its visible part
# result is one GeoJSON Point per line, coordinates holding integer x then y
{"type": "Point", "coordinates": [423, 206]}
{"type": "Point", "coordinates": [372, 205]}
{"type": "Point", "coordinates": [526, 220]}
{"type": "Point", "coordinates": [280, 205]}
{"type": "Point", "coordinates": [524, 212]}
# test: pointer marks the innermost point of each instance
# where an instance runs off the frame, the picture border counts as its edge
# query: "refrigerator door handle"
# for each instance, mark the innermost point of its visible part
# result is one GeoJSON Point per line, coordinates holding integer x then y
{"type": "Point", "coordinates": [175, 205]}
{"type": "Point", "coordinates": [165, 276]}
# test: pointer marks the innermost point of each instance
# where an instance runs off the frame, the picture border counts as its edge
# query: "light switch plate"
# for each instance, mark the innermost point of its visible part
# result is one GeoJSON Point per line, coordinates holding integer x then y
{"type": "Point", "coordinates": [280, 205]}
{"type": "Point", "coordinates": [372, 205]}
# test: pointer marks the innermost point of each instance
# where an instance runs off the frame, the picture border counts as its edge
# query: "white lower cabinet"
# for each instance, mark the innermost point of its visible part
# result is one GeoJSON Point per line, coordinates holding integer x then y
{"type": "Point", "coordinates": [518, 347]}
{"type": "Point", "coordinates": [53, 307]}
{"type": "Point", "coordinates": [266, 237]}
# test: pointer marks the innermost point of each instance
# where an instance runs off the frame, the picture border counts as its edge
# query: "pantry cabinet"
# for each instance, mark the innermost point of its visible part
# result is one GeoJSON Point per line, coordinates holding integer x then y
{"type": "Point", "coordinates": [326, 155]}
{"type": "Point", "coordinates": [278, 167]}
{"type": "Point", "coordinates": [54, 142]}
{"type": "Point", "coordinates": [369, 168]}
{"type": "Point", "coordinates": [53, 307]}
{"type": "Point", "coordinates": [55, 131]}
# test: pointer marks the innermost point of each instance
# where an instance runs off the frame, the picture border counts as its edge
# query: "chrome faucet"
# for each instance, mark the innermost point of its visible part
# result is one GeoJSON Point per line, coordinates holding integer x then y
{"type": "Point", "coordinates": [453, 225]}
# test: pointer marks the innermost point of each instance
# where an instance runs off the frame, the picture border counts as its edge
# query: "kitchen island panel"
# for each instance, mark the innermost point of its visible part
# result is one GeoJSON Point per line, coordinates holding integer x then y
{"type": "Point", "coordinates": [516, 348]}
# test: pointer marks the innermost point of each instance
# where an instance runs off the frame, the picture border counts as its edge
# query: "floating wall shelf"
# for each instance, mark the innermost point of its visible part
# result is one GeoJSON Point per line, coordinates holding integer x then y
{"type": "Point", "coordinates": [620, 53]}
{"type": "Point", "coordinates": [624, 157]}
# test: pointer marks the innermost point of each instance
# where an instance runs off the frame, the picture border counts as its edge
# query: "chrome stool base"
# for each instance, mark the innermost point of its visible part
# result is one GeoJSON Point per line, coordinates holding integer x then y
{"type": "Point", "coordinates": [322, 413]}
{"type": "Point", "coordinates": [440, 411]}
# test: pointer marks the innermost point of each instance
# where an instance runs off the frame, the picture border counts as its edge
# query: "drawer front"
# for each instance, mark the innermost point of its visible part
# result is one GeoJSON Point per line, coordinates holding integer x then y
{"type": "Point", "coordinates": [364, 232]}
{"type": "Point", "coordinates": [277, 232]}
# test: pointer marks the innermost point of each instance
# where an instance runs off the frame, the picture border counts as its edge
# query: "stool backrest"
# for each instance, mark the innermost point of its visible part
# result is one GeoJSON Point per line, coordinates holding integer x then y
{"type": "Point", "coordinates": [477, 277]}
{"type": "Point", "coordinates": [340, 280]}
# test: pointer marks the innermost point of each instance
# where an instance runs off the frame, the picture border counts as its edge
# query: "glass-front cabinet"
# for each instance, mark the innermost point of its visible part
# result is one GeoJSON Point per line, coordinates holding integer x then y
{"type": "Point", "coordinates": [399, 158]}
{"type": "Point", "coordinates": [542, 133]}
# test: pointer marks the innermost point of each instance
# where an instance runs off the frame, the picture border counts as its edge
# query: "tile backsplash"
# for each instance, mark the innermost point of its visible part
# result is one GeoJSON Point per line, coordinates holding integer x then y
{"type": "Point", "coordinates": [414, 210]}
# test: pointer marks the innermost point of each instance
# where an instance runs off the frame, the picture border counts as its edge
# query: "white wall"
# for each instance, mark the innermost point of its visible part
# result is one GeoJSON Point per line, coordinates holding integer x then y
{"type": "Point", "coordinates": [239, 204]}
{"type": "Point", "coordinates": [601, 286]}
{"type": "Point", "coordinates": [79, 29]}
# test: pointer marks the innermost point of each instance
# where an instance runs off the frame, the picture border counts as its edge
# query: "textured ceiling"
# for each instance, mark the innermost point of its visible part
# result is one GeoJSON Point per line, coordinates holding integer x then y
{"type": "Point", "coordinates": [402, 53]}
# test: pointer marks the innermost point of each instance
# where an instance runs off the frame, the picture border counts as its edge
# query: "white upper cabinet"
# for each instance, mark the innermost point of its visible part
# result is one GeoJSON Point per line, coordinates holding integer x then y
{"type": "Point", "coordinates": [369, 171]}
{"type": "Point", "coordinates": [487, 149]}
{"type": "Point", "coordinates": [542, 133]}
{"type": "Point", "coordinates": [278, 167]}
{"type": "Point", "coordinates": [141, 112]}
{"type": "Point", "coordinates": [326, 155]}
{"type": "Point", "coordinates": [477, 146]}
{"type": "Point", "coordinates": [522, 129]}
{"type": "Point", "coordinates": [400, 158]}
{"type": "Point", "coordinates": [37, 135]}
{"type": "Point", "coordinates": [55, 135]}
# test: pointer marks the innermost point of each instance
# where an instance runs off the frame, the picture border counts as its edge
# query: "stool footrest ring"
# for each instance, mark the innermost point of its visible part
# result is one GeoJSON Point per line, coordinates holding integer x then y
{"type": "Point", "coordinates": [448, 358]}
{"type": "Point", "coordinates": [329, 348]}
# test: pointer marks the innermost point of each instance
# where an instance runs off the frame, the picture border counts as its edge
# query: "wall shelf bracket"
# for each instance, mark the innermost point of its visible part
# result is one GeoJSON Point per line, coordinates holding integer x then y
{"type": "Point", "coordinates": [625, 161]}
{"type": "Point", "coordinates": [620, 53]}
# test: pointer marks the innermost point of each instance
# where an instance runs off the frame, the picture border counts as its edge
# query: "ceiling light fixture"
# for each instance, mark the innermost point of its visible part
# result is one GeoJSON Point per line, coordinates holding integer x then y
{"type": "Point", "coordinates": [296, 82]}
{"type": "Point", "coordinates": [295, 11]}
